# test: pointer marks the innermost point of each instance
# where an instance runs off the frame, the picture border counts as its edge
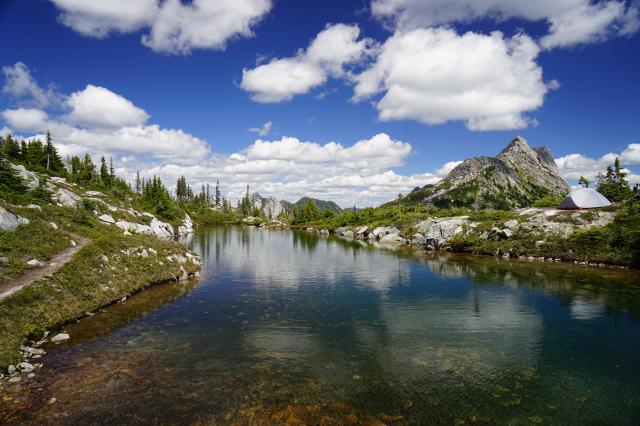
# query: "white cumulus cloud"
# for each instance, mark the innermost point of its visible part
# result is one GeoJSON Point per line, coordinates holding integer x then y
{"type": "Point", "coordinates": [436, 75]}
{"type": "Point", "coordinates": [361, 173]}
{"type": "Point", "coordinates": [573, 166]}
{"type": "Point", "coordinates": [99, 107]}
{"type": "Point", "coordinates": [25, 119]}
{"type": "Point", "coordinates": [101, 18]}
{"type": "Point", "coordinates": [20, 84]}
{"type": "Point", "coordinates": [327, 55]}
{"type": "Point", "coordinates": [173, 26]}
{"type": "Point", "coordinates": [570, 22]}
{"type": "Point", "coordinates": [97, 120]}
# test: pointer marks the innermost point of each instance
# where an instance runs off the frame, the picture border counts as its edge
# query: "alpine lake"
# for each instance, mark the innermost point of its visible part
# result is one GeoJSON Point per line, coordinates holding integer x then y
{"type": "Point", "coordinates": [289, 327]}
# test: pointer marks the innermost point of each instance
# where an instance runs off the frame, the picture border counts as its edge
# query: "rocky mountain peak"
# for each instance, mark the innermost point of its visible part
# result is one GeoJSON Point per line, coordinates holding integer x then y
{"type": "Point", "coordinates": [517, 150]}
{"type": "Point", "coordinates": [545, 156]}
{"type": "Point", "coordinates": [516, 177]}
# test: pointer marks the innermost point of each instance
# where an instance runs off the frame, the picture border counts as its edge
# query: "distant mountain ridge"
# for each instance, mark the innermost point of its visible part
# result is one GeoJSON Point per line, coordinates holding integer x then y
{"type": "Point", "coordinates": [323, 205]}
{"type": "Point", "coordinates": [516, 177]}
{"type": "Point", "coordinates": [273, 207]}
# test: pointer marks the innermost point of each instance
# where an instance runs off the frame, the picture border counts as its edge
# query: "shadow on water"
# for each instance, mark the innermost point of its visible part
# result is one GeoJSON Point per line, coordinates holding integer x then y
{"type": "Point", "coordinates": [291, 327]}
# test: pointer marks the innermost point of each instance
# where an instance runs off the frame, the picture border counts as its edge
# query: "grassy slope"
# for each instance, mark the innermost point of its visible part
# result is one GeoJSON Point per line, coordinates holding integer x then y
{"type": "Point", "coordinates": [68, 294]}
{"type": "Point", "coordinates": [37, 240]}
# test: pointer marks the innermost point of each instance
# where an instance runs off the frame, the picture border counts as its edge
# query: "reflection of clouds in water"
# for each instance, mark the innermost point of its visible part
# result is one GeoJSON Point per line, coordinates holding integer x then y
{"type": "Point", "coordinates": [294, 258]}
{"type": "Point", "coordinates": [486, 315]}
{"type": "Point", "coordinates": [472, 333]}
{"type": "Point", "coordinates": [583, 309]}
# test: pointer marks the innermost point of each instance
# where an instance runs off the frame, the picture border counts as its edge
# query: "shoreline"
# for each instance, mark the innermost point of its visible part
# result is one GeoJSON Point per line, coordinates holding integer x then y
{"type": "Point", "coordinates": [407, 244]}
{"type": "Point", "coordinates": [114, 268]}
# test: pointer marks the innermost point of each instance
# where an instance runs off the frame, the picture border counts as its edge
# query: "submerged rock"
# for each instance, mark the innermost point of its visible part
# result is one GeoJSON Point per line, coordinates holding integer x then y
{"type": "Point", "coordinates": [25, 367]}
{"type": "Point", "coordinates": [60, 337]}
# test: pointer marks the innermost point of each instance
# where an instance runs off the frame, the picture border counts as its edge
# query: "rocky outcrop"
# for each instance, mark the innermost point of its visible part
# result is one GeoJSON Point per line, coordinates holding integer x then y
{"type": "Point", "coordinates": [271, 206]}
{"type": "Point", "coordinates": [515, 178]}
{"type": "Point", "coordinates": [66, 198]}
{"type": "Point", "coordinates": [382, 231]}
{"type": "Point", "coordinates": [186, 227]}
{"type": "Point", "coordinates": [562, 223]}
{"type": "Point", "coordinates": [95, 194]}
{"type": "Point", "coordinates": [107, 219]}
{"type": "Point", "coordinates": [155, 228]}
{"type": "Point", "coordinates": [30, 179]}
{"type": "Point", "coordinates": [438, 232]}
{"type": "Point", "coordinates": [394, 238]}
{"type": "Point", "coordinates": [10, 221]}
{"type": "Point", "coordinates": [161, 229]}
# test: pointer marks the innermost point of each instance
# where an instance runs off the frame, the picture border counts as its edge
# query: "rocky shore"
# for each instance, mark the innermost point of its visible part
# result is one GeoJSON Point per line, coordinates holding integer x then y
{"type": "Point", "coordinates": [529, 231]}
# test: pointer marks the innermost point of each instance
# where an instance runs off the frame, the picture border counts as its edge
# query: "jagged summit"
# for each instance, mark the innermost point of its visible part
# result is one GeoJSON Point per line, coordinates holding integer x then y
{"type": "Point", "coordinates": [516, 177]}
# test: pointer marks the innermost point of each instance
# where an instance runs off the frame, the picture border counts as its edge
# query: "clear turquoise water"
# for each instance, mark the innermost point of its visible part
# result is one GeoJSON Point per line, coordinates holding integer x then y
{"type": "Point", "coordinates": [290, 327]}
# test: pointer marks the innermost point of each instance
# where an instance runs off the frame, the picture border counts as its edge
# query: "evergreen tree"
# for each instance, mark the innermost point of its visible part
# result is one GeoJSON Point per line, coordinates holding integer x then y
{"type": "Point", "coordinates": [104, 171]}
{"type": "Point", "coordinates": [54, 162]}
{"type": "Point", "coordinates": [208, 198]}
{"type": "Point", "coordinates": [75, 164]}
{"type": "Point", "coordinates": [613, 184]}
{"type": "Point", "coordinates": [11, 148]}
{"type": "Point", "coordinates": [23, 151]}
{"type": "Point", "coordinates": [34, 155]}
{"type": "Point", "coordinates": [182, 191]}
{"type": "Point", "coordinates": [584, 182]}
{"type": "Point", "coordinates": [156, 198]}
{"type": "Point", "coordinates": [112, 171]}
{"type": "Point", "coordinates": [307, 212]}
{"type": "Point", "coordinates": [245, 205]}
{"type": "Point", "coordinates": [218, 192]}
{"type": "Point", "coordinates": [11, 184]}
{"type": "Point", "coordinates": [138, 183]}
{"type": "Point", "coordinates": [41, 192]}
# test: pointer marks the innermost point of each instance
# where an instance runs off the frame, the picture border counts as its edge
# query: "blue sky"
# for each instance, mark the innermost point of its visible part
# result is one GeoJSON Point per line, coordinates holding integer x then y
{"type": "Point", "coordinates": [561, 73]}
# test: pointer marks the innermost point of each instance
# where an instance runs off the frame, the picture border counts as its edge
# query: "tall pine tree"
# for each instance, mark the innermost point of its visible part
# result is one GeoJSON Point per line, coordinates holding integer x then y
{"type": "Point", "coordinates": [104, 171]}
{"type": "Point", "coordinates": [218, 193]}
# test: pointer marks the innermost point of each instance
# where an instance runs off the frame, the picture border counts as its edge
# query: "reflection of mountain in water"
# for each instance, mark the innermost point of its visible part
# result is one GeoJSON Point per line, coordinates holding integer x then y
{"type": "Point", "coordinates": [612, 290]}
